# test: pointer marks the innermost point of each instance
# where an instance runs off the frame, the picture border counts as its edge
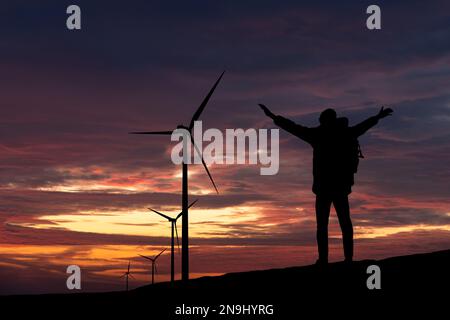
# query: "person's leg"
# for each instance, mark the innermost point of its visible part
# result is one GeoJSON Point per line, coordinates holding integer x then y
{"type": "Point", "coordinates": [323, 204]}
{"type": "Point", "coordinates": [343, 213]}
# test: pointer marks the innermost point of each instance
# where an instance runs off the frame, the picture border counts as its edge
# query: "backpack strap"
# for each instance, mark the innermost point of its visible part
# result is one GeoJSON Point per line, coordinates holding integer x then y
{"type": "Point", "coordinates": [360, 155]}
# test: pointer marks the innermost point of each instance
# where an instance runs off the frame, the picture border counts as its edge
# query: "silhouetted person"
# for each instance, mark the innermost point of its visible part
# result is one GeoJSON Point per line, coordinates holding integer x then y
{"type": "Point", "coordinates": [335, 161]}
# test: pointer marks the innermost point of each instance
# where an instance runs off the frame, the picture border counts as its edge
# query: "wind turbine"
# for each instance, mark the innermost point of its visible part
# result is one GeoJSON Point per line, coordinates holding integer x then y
{"type": "Point", "coordinates": [127, 274]}
{"type": "Point", "coordinates": [153, 260]}
{"type": "Point", "coordinates": [185, 192]}
{"type": "Point", "coordinates": [173, 222]}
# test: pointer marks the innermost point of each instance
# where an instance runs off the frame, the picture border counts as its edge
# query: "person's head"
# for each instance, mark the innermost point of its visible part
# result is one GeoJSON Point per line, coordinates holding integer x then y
{"type": "Point", "coordinates": [327, 117]}
{"type": "Point", "coordinates": [342, 122]}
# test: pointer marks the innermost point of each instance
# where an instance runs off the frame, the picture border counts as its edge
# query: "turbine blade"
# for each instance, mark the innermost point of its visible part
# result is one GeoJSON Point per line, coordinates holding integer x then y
{"type": "Point", "coordinates": [193, 203]}
{"type": "Point", "coordinates": [159, 254]}
{"type": "Point", "coordinates": [146, 257]}
{"type": "Point", "coordinates": [204, 165]}
{"type": "Point", "coordinates": [181, 213]}
{"type": "Point", "coordinates": [210, 177]}
{"type": "Point", "coordinates": [132, 276]}
{"type": "Point", "coordinates": [167, 133]}
{"type": "Point", "coordinates": [161, 214]}
{"type": "Point", "coordinates": [178, 240]}
{"type": "Point", "coordinates": [129, 266]}
{"type": "Point", "coordinates": [204, 103]}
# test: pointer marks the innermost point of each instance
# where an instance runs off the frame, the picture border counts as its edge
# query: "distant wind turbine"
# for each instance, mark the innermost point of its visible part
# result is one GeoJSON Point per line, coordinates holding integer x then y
{"type": "Point", "coordinates": [153, 260]}
{"type": "Point", "coordinates": [185, 192]}
{"type": "Point", "coordinates": [173, 222]}
{"type": "Point", "coordinates": [127, 274]}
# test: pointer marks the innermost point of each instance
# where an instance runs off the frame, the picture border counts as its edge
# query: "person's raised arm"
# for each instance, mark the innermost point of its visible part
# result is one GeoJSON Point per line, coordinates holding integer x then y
{"type": "Point", "coordinates": [362, 127]}
{"type": "Point", "coordinates": [288, 125]}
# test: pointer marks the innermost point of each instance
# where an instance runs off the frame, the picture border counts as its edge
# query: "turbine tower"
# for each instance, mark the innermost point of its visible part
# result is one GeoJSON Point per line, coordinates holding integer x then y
{"type": "Point", "coordinates": [185, 191]}
{"type": "Point", "coordinates": [153, 260]}
{"type": "Point", "coordinates": [173, 222]}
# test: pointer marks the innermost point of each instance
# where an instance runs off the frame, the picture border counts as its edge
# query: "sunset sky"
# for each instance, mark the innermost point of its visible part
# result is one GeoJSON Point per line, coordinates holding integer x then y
{"type": "Point", "coordinates": [75, 187]}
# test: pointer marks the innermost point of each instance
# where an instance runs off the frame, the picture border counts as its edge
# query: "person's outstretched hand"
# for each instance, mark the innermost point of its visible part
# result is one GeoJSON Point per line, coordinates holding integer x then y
{"type": "Point", "coordinates": [266, 111]}
{"type": "Point", "coordinates": [384, 112]}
